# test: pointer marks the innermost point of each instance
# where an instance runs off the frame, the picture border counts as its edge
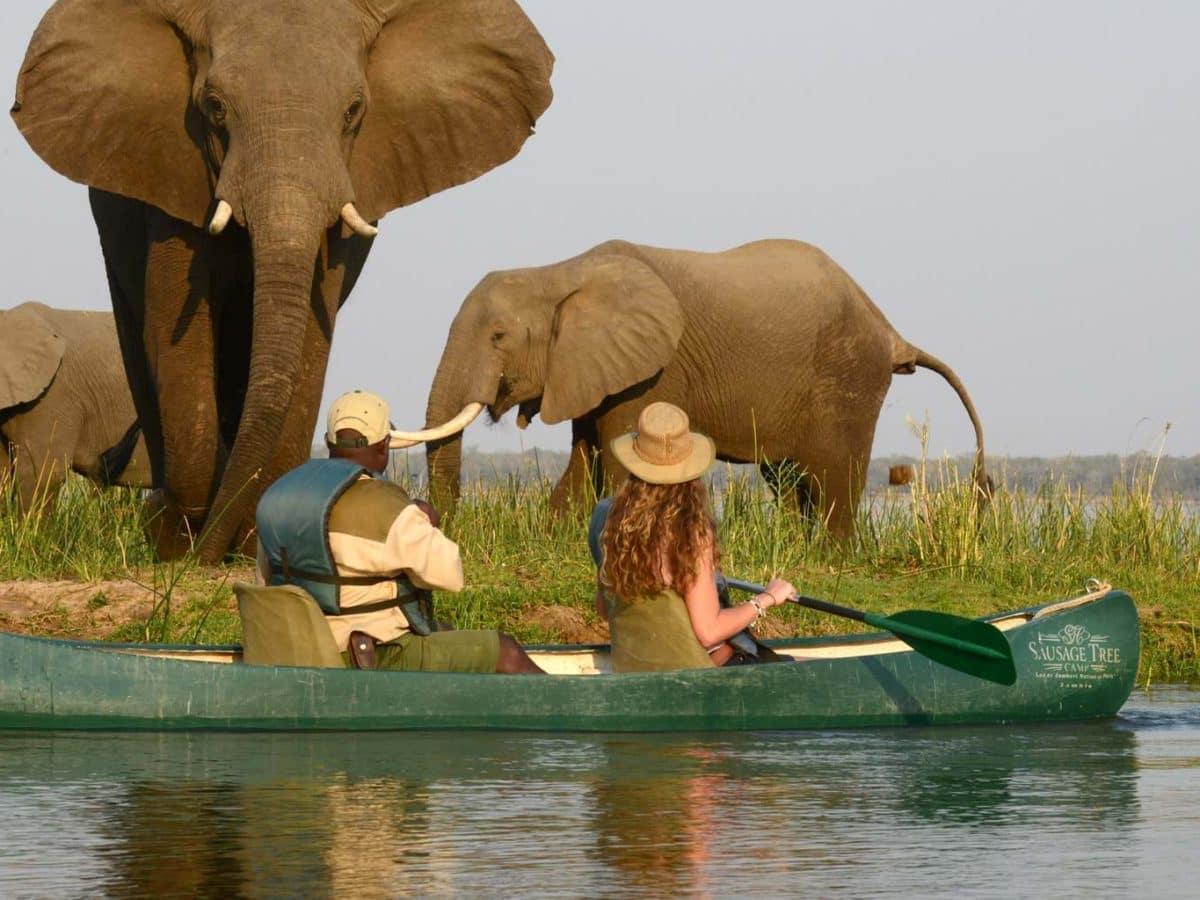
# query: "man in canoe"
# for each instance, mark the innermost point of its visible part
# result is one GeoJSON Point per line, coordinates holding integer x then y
{"type": "Point", "coordinates": [370, 555]}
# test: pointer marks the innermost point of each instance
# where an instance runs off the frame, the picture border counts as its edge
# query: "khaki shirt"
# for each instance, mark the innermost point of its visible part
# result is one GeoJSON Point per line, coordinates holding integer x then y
{"type": "Point", "coordinates": [375, 530]}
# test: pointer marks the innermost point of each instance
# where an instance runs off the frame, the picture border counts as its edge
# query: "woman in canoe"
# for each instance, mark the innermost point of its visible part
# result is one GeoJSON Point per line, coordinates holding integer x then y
{"type": "Point", "coordinates": [661, 553]}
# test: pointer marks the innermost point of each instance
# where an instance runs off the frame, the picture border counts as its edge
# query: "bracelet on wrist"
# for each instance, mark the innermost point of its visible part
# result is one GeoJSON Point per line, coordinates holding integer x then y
{"type": "Point", "coordinates": [758, 608]}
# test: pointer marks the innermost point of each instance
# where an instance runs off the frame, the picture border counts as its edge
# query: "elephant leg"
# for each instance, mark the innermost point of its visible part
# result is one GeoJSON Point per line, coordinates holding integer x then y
{"type": "Point", "coordinates": [124, 227]}
{"type": "Point", "coordinates": [581, 484]}
{"type": "Point", "coordinates": [845, 458]}
{"type": "Point", "coordinates": [33, 481]}
{"type": "Point", "coordinates": [178, 337]}
{"type": "Point", "coordinates": [790, 484]}
{"type": "Point", "coordinates": [838, 490]}
{"type": "Point", "coordinates": [38, 469]}
{"type": "Point", "coordinates": [121, 223]}
{"type": "Point", "coordinates": [614, 423]}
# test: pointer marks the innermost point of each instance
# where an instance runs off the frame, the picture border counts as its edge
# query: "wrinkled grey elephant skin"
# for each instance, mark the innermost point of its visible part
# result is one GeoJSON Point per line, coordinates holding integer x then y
{"type": "Point", "coordinates": [770, 347]}
{"type": "Point", "coordinates": [64, 402]}
{"type": "Point", "coordinates": [237, 155]}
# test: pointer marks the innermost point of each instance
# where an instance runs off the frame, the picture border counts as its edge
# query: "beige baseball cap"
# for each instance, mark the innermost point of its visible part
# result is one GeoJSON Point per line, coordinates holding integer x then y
{"type": "Point", "coordinates": [363, 411]}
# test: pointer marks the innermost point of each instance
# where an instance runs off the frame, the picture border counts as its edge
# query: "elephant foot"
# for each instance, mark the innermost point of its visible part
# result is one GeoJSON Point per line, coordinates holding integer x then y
{"type": "Point", "coordinates": [245, 543]}
{"type": "Point", "coordinates": [175, 534]}
{"type": "Point", "coordinates": [169, 531]}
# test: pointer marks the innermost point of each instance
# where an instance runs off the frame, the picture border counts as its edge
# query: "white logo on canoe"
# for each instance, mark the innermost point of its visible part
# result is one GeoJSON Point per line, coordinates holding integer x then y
{"type": "Point", "coordinates": [1074, 652]}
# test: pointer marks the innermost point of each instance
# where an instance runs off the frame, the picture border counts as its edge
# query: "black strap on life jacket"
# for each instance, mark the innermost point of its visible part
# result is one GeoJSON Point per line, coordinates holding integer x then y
{"type": "Point", "coordinates": [404, 590]}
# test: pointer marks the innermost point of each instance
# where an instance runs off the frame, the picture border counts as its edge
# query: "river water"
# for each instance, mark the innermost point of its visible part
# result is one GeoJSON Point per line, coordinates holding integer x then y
{"type": "Point", "coordinates": [1086, 809]}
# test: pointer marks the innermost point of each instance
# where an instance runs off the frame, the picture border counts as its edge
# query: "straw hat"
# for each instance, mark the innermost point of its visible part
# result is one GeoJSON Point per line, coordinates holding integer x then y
{"type": "Point", "coordinates": [663, 450]}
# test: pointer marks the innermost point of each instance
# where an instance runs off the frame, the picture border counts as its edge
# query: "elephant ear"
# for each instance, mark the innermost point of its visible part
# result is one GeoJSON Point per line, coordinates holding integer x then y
{"type": "Point", "coordinates": [30, 354]}
{"type": "Point", "coordinates": [455, 89]}
{"type": "Point", "coordinates": [619, 326]}
{"type": "Point", "coordinates": [104, 97]}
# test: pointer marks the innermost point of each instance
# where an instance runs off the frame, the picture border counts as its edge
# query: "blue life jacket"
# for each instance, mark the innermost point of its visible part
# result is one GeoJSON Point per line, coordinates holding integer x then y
{"type": "Point", "coordinates": [596, 529]}
{"type": "Point", "coordinates": [293, 527]}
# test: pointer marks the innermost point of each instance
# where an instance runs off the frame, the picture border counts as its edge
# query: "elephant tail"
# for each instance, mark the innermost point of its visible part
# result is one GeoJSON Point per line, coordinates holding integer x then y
{"type": "Point", "coordinates": [918, 357]}
{"type": "Point", "coordinates": [114, 460]}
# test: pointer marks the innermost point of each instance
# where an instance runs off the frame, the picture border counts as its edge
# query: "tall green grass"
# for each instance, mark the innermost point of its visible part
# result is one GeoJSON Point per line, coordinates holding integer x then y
{"type": "Point", "coordinates": [81, 532]}
{"type": "Point", "coordinates": [930, 544]}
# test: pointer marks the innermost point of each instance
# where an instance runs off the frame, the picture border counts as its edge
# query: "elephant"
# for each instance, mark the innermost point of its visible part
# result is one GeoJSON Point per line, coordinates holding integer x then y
{"type": "Point", "coordinates": [770, 347]}
{"type": "Point", "coordinates": [238, 156]}
{"type": "Point", "coordinates": [64, 402]}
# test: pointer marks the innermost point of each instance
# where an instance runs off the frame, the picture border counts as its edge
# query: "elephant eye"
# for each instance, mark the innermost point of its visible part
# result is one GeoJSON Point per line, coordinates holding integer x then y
{"type": "Point", "coordinates": [214, 108]}
{"type": "Point", "coordinates": [352, 111]}
{"type": "Point", "coordinates": [498, 335]}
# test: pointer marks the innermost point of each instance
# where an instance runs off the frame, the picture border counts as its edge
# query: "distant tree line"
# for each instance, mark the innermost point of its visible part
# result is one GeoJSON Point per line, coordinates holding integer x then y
{"type": "Point", "coordinates": [1096, 475]}
{"type": "Point", "coordinates": [1178, 475]}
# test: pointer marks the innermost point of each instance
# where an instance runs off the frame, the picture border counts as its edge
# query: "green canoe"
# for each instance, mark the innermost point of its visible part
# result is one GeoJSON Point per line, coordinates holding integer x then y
{"type": "Point", "coordinates": [1075, 659]}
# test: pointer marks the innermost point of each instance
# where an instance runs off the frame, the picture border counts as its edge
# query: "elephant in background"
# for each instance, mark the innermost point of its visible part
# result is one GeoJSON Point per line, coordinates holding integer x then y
{"type": "Point", "coordinates": [771, 348]}
{"type": "Point", "coordinates": [64, 402]}
{"type": "Point", "coordinates": [237, 155]}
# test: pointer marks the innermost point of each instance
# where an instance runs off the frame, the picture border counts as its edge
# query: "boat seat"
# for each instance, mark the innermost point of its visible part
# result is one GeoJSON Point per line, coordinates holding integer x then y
{"type": "Point", "coordinates": [283, 626]}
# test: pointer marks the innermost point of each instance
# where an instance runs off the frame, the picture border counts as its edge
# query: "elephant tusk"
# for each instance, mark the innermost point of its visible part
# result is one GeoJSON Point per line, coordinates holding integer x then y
{"type": "Point", "coordinates": [357, 223]}
{"type": "Point", "coordinates": [402, 439]}
{"type": "Point", "coordinates": [220, 217]}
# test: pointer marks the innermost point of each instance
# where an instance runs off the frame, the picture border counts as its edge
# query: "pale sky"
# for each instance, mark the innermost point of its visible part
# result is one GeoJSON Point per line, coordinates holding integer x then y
{"type": "Point", "coordinates": [1014, 183]}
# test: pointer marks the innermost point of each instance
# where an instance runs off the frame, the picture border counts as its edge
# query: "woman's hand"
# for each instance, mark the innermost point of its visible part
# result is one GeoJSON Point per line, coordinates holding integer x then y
{"type": "Point", "coordinates": [777, 592]}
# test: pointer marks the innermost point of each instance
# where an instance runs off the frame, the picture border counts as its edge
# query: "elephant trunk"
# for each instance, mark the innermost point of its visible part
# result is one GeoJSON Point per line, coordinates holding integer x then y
{"type": "Point", "coordinates": [444, 461]}
{"type": "Point", "coordinates": [454, 387]}
{"type": "Point", "coordinates": [286, 225]}
{"type": "Point", "coordinates": [443, 457]}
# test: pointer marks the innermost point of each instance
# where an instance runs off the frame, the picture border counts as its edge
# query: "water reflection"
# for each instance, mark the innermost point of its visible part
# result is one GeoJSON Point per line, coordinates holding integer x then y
{"type": "Point", "coordinates": [389, 814]}
{"type": "Point", "coordinates": [656, 825]}
{"type": "Point", "coordinates": [153, 852]}
{"type": "Point", "coordinates": [290, 821]}
{"type": "Point", "coordinates": [1070, 772]}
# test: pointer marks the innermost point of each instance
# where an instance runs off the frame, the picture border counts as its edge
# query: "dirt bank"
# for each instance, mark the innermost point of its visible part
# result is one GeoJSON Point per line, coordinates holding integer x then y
{"type": "Point", "coordinates": [91, 611]}
{"type": "Point", "coordinates": [99, 610]}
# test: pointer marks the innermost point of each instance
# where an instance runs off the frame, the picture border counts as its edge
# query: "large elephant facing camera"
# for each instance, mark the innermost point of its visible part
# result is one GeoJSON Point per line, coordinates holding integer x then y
{"type": "Point", "coordinates": [237, 153]}
{"type": "Point", "coordinates": [64, 402]}
{"type": "Point", "coordinates": [770, 347]}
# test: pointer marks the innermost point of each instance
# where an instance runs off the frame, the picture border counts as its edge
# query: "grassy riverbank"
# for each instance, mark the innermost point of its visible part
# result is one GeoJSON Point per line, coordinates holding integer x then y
{"type": "Point", "coordinates": [924, 545]}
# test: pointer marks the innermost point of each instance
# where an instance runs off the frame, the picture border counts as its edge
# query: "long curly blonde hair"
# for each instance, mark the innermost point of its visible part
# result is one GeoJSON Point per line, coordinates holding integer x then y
{"type": "Point", "coordinates": [655, 534]}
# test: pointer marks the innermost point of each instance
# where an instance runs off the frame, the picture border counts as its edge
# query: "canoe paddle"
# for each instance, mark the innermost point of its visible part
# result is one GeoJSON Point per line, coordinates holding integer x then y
{"type": "Point", "coordinates": [968, 645]}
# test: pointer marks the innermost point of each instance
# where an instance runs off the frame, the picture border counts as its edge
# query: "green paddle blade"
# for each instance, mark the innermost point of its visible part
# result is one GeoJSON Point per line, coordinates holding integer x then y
{"type": "Point", "coordinates": [967, 645]}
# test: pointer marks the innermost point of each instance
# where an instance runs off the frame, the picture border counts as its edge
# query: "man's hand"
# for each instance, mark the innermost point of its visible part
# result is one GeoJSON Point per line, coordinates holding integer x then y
{"type": "Point", "coordinates": [435, 518]}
